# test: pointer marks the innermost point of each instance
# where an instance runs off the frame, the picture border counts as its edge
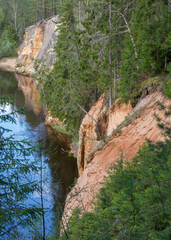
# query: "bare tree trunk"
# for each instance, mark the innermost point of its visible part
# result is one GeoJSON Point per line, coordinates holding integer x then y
{"type": "Point", "coordinates": [43, 9]}
{"type": "Point", "coordinates": [14, 8]}
{"type": "Point", "coordinates": [79, 11]}
{"type": "Point", "coordinates": [110, 52]}
{"type": "Point", "coordinates": [129, 32]}
{"type": "Point", "coordinates": [41, 195]}
{"type": "Point", "coordinates": [53, 12]}
{"type": "Point", "coordinates": [35, 6]}
{"type": "Point", "coordinates": [114, 85]}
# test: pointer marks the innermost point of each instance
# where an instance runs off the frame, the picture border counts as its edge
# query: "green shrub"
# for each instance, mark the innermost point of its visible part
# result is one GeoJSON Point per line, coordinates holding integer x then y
{"type": "Point", "coordinates": [167, 82]}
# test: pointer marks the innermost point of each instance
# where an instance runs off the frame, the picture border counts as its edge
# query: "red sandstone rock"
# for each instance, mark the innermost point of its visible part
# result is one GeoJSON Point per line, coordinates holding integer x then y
{"type": "Point", "coordinates": [142, 125]}
{"type": "Point", "coordinates": [38, 44]}
{"type": "Point", "coordinates": [91, 132]}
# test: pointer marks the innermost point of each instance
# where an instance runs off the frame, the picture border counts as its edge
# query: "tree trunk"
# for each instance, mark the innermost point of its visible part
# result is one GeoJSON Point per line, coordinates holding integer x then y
{"type": "Point", "coordinates": [14, 8]}
{"type": "Point", "coordinates": [110, 52]}
{"type": "Point", "coordinates": [53, 11]}
{"type": "Point", "coordinates": [43, 9]}
{"type": "Point", "coordinates": [129, 32]}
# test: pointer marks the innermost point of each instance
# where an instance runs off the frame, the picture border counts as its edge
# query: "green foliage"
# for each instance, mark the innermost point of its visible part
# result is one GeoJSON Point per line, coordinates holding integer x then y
{"type": "Point", "coordinates": [167, 82]}
{"type": "Point", "coordinates": [105, 46]}
{"type": "Point", "coordinates": [15, 186]}
{"type": "Point", "coordinates": [16, 15]}
{"type": "Point", "coordinates": [150, 31]}
{"type": "Point", "coordinates": [69, 88]}
{"type": "Point", "coordinates": [8, 43]}
{"type": "Point", "coordinates": [135, 200]}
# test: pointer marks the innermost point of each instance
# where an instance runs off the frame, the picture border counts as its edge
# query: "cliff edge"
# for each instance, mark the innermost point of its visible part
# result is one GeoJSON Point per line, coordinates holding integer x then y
{"type": "Point", "coordinates": [38, 44]}
{"type": "Point", "coordinates": [125, 139]}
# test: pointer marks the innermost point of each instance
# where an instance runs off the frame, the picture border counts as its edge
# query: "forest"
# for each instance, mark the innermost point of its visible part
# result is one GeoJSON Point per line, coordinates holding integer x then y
{"type": "Point", "coordinates": [106, 46]}
{"type": "Point", "coordinates": [114, 47]}
{"type": "Point", "coordinates": [103, 46]}
{"type": "Point", "coordinates": [16, 15]}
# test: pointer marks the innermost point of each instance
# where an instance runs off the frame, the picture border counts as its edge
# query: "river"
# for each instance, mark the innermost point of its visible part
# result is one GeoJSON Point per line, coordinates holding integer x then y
{"type": "Point", "coordinates": [59, 168]}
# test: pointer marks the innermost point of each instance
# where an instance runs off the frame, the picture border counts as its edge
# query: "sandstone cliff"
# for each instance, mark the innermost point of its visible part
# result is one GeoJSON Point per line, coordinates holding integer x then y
{"type": "Point", "coordinates": [39, 41]}
{"type": "Point", "coordinates": [91, 133]}
{"type": "Point", "coordinates": [126, 139]}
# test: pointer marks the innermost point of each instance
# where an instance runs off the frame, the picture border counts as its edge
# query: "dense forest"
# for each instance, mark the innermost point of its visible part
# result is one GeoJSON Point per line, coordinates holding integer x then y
{"type": "Point", "coordinates": [103, 46]}
{"type": "Point", "coordinates": [106, 46]}
{"type": "Point", "coordinates": [16, 15]}
{"type": "Point", "coordinates": [114, 47]}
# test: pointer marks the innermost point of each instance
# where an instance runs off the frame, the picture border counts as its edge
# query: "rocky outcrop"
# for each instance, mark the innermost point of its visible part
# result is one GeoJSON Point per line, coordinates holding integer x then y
{"type": "Point", "coordinates": [38, 44]}
{"type": "Point", "coordinates": [8, 64]}
{"type": "Point", "coordinates": [92, 133]}
{"type": "Point", "coordinates": [50, 120]}
{"type": "Point", "coordinates": [129, 136]}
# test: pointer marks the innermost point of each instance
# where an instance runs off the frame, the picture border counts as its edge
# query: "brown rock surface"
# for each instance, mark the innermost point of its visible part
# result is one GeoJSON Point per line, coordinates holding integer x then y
{"type": "Point", "coordinates": [50, 120]}
{"type": "Point", "coordinates": [140, 125]}
{"type": "Point", "coordinates": [92, 132]}
{"type": "Point", "coordinates": [87, 133]}
{"type": "Point", "coordinates": [38, 44]}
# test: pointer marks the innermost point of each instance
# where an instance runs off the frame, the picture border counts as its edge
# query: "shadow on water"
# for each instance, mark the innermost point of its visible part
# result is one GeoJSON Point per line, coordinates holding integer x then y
{"type": "Point", "coordinates": [60, 169]}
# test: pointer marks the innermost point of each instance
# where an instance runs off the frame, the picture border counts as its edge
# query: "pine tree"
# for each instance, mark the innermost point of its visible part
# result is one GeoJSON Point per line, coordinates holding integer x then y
{"type": "Point", "coordinates": [15, 186]}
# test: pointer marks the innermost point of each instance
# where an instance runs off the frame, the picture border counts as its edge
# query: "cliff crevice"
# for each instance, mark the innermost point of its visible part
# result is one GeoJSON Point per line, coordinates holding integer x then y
{"type": "Point", "coordinates": [126, 139]}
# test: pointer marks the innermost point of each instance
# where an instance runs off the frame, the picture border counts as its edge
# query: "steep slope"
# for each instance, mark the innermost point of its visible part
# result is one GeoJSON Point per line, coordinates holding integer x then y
{"type": "Point", "coordinates": [91, 133]}
{"type": "Point", "coordinates": [38, 44]}
{"type": "Point", "coordinates": [126, 139]}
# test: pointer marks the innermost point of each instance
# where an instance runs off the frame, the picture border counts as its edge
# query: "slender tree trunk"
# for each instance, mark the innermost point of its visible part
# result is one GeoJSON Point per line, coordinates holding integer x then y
{"type": "Point", "coordinates": [114, 85]}
{"type": "Point", "coordinates": [35, 6]}
{"type": "Point", "coordinates": [79, 11]}
{"type": "Point", "coordinates": [41, 195]}
{"type": "Point", "coordinates": [129, 32]}
{"type": "Point", "coordinates": [14, 8]}
{"type": "Point", "coordinates": [53, 12]}
{"type": "Point", "coordinates": [110, 51]}
{"type": "Point", "coordinates": [43, 9]}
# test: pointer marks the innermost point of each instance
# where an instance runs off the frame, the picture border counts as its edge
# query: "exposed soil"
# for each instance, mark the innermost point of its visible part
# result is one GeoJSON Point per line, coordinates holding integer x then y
{"type": "Point", "coordinates": [126, 141]}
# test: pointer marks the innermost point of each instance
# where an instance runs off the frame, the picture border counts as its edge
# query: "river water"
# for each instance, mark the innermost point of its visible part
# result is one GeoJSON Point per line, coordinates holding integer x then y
{"type": "Point", "coordinates": [59, 169]}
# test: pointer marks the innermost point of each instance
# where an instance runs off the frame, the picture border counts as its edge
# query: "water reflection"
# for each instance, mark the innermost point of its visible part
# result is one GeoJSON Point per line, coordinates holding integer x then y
{"type": "Point", "coordinates": [31, 94]}
{"type": "Point", "coordinates": [59, 168]}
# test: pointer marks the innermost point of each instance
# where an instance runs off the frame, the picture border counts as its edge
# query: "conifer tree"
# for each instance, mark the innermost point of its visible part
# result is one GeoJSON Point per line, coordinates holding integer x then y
{"type": "Point", "coordinates": [15, 184]}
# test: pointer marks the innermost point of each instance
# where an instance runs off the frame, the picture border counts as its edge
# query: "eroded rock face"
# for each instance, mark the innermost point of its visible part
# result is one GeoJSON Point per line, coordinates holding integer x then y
{"type": "Point", "coordinates": [91, 132]}
{"type": "Point", "coordinates": [87, 133]}
{"type": "Point", "coordinates": [140, 125]}
{"type": "Point", "coordinates": [39, 41]}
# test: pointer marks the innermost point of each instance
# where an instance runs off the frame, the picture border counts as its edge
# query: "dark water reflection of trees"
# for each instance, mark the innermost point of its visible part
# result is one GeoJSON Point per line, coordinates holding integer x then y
{"type": "Point", "coordinates": [60, 169]}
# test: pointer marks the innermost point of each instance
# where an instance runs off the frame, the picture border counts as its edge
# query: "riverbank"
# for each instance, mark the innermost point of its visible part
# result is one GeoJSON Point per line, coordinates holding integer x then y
{"type": "Point", "coordinates": [8, 64]}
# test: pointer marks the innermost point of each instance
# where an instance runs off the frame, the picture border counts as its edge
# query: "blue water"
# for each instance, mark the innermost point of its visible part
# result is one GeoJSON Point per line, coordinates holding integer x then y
{"type": "Point", "coordinates": [59, 169]}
